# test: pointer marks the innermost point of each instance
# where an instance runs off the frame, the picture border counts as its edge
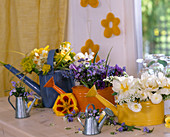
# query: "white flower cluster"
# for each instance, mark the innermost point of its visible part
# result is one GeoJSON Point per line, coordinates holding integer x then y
{"type": "Point", "coordinates": [40, 57]}
{"type": "Point", "coordinates": [150, 87]}
{"type": "Point", "coordinates": [83, 58]}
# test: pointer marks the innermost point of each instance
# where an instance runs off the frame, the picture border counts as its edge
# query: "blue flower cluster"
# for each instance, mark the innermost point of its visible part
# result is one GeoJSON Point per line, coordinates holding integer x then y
{"type": "Point", "coordinates": [89, 73]}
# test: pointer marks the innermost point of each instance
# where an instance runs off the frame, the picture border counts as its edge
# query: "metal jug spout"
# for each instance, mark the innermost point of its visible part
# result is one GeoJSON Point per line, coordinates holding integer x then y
{"type": "Point", "coordinates": [29, 109]}
{"type": "Point", "coordinates": [30, 83]}
{"type": "Point", "coordinates": [106, 112]}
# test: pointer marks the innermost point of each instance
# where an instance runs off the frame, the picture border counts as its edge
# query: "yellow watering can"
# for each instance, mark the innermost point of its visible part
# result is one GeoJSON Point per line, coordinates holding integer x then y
{"type": "Point", "coordinates": [150, 114]}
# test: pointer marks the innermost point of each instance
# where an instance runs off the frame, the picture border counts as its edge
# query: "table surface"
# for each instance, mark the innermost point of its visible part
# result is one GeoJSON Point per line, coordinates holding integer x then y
{"type": "Point", "coordinates": [44, 123]}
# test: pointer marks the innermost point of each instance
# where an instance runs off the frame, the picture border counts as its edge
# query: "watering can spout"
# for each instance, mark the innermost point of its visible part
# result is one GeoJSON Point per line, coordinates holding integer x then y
{"type": "Point", "coordinates": [93, 93]}
{"type": "Point", "coordinates": [29, 109]}
{"type": "Point", "coordinates": [106, 112]}
{"type": "Point", "coordinates": [30, 83]}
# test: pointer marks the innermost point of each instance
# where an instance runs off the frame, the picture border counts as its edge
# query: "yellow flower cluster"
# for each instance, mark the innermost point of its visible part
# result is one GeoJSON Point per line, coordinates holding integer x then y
{"type": "Point", "coordinates": [167, 120]}
{"type": "Point", "coordinates": [36, 61]}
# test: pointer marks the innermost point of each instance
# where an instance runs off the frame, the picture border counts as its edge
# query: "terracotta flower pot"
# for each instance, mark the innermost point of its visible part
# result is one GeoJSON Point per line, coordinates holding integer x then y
{"type": "Point", "coordinates": [80, 94]}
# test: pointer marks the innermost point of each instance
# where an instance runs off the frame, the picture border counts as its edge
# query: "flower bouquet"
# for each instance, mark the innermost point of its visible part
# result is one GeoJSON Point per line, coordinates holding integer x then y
{"type": "Point", "coordinates": [46, 63]}
{"type": "Point", "coordinates": [88, 74]}
{"type": "Point", "coordinates": [140, 101]}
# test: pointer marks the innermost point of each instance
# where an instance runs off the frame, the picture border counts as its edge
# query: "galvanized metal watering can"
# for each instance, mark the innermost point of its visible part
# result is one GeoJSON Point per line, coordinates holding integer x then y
{"type": "Point", "coordinates": [49, 95]}
{"type": "Point", "coordinates": [92, 126]}
{"type": "Point", "coordinates": [21, 108]}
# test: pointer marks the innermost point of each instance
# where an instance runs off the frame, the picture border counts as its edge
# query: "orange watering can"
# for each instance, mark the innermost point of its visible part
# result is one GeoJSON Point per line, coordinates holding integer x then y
{"type": "Point", "coordinates": [150, 114]}
{"type": "Point", "coordinates": [65, 102]}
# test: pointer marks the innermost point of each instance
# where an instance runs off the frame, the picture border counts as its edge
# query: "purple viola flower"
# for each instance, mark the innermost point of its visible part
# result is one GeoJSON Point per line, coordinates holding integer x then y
{"type": "Point", "coordinates": [145, 129]}
{"type": "Point", "coordinates": [30, 98]}
{"type": "Point", "coordinates": [80, 60]}
{"type": "Point", "coordinates": [13, 83]}
{"type": "Point", "coordinates": [94, 111]}
{"type": "Point", "coordinates": [70, 119]}
{"type": "Point", "coordinates": [97, 118]}
{"type": "Point", "coordinates": [72, 66]}
{"type": "Point", "coordinates": [31, 93]}
{"type": "Point", "coordinates": [120, 129]}
{"type": "Point", "coordinates": [123, 124]}
{"type": "Point", "coordinates": [114, 122]}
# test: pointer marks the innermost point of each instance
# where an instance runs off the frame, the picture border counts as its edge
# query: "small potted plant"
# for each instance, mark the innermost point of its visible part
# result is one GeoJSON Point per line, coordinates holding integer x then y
{"type": "Point", "coordinates": [21, 94]}
{"type": "Point", "coordinates": [89, 73]}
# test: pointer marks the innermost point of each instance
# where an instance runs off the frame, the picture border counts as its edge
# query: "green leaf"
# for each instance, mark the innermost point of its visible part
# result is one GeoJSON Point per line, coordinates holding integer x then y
{"type": "Point", "coordinates": [113, 133]}
{"type": "Point", "coordinates": [163, 62]}
{"type": "Point", "coordinates": [115, 93]}
{"type": "Point", "coordinates": [84, 83]}
{"type": "Point", "coordinates": [108, 56]}
{"type": "Point", "coordinates": [95, 57]}
{"type": "Point", "coordinates": [67, 128]}
{"type": "Point", "coordinates": [150, 63]}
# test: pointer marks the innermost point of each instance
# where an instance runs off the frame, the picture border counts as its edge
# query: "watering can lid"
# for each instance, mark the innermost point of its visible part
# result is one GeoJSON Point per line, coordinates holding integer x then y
{"type": "Point", "coordinates": [109, 111]}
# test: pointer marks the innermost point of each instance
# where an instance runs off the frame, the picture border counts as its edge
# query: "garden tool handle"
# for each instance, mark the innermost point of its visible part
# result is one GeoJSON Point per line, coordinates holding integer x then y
{"type": "Point", "coordinates": [11, 103]}
{"type": "Point", "coordinates": [86, 111]}
{"type": "Point", "coordinates": [50, 60]}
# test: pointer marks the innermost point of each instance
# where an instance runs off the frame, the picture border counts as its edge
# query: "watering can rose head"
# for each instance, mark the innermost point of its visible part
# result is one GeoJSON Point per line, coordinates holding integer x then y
{"type": "Point", "coordinates": [36, 60]}
{"type": "Point", "coordinates": [90, 73]}
{"type": "Point", "coordinates": [132, 90]}
{"type": "Point", "coordinates": [19, 90]}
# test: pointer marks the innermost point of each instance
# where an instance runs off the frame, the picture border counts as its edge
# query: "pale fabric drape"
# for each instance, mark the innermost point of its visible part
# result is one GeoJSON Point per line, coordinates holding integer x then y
{"type": "Point", "coordinates": [25, 25]}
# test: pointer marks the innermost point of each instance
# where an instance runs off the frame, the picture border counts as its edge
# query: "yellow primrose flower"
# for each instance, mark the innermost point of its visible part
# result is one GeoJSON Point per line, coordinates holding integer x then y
{"type": "Point", "coordinates": [29, 103]}
{"type": "Point", "coordinates": [47, 47]}
{"type": "Point", "coordinates": [167, 120]}
{"type": "Point", "coordinates": [27, 64]}
{"type": "Point", "coordinates": [46, 68]}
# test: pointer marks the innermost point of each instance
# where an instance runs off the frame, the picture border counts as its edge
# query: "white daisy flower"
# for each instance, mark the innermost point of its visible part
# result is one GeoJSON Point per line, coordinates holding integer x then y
{"type": "Point", "coordinates": [156, 98]}
{"type": "Point", "coordinates": [135, 107]}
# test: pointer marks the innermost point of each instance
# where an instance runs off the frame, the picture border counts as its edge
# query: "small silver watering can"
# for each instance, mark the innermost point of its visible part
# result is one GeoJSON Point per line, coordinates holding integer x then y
{"type": "Point", "coordinates": [21, 109]}
{"type": "Point", "coordinates": [92, 126]}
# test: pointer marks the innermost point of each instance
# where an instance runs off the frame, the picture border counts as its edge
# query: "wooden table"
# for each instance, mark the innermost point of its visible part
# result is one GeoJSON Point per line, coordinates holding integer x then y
{"type": "Point", "coordinates": [44, 123]}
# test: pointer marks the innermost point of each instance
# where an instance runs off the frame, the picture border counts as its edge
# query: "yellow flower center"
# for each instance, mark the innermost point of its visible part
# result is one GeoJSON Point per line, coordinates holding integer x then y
{"type": "Point", "coordinates": [136, 106]}
{"type": "Point", "coordinates": [124, 88]}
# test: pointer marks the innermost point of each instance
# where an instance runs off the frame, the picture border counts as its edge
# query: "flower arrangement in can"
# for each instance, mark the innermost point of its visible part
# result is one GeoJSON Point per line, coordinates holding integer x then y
{"type": "Point", "coordinates": [19, 90]}
{"type": "Point", "coordinates": [132, 91]}
{"type": "Point", "coordinates": [90, 73]}
{"type": "Point", "coordinates": [36, 60]}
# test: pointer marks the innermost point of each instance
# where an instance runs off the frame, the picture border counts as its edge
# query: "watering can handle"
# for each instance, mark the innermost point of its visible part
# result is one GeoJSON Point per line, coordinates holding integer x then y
{"type": "Point", "coordinates": [11, 103]}
{"type": "Point", "coordinates": [88, 107]}
{"type": "Point", "coordinates": [50, 60]}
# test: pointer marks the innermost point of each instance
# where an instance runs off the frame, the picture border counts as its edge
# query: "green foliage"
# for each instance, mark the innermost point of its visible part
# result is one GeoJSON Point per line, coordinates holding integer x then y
{"type": "Point", "coordinates": [155, 15]}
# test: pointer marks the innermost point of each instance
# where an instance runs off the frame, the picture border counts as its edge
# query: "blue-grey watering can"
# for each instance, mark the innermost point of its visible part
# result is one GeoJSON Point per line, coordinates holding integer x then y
{"type": "Point", "coordinates": [49, 95]}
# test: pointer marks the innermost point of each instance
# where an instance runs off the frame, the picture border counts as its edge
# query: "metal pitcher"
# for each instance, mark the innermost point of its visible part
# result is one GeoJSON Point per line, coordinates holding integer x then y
{"type": "Point", "coordinates": [21, 109]}
{"type": "Point", "coordinates": [92, 126]}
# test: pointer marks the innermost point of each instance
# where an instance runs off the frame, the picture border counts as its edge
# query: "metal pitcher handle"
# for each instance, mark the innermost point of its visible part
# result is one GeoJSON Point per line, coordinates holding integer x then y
{"type": "Point", "coordinates": [88, 107]}
{"type": "Point", "coordinates": [11, 103]}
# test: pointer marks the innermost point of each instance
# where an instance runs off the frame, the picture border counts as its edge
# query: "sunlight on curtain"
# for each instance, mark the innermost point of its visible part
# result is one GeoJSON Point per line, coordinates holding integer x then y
{"type": "Point", "coordinates": [26, 25]}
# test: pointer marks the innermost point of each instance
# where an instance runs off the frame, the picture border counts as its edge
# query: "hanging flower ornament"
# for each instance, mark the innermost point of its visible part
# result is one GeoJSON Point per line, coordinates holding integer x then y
{"type": "Point", "coordinates": [108, 29]}
{"type": "Point", "coordinates": [90, 45]}
{"type": "Point", "coordinates": [92, 3]}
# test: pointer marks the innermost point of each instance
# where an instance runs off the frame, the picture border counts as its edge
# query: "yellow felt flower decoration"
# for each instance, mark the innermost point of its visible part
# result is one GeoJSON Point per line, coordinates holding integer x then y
{"type": "Point", "coordinates": [167, 120]}
{"type": "Point", "coordinates": [90, 45]}
{"type": "Point", "coordinates": [111, 30]}
{"type": "Point", "coordinates": [65, 104]}
{"type": "Point", "coordinates": [92, 3]}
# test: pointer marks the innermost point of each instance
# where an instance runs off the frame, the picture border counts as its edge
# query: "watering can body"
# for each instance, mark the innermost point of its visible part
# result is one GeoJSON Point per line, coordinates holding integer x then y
{"type": "Point", "coordinates": [48, 95]}
{"type": "Point", "coordinates": [21, 108]}
{"type": "Point", "coordinates": [92, 126]}
{"type": "Point", "coordinates": [150, 114]}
